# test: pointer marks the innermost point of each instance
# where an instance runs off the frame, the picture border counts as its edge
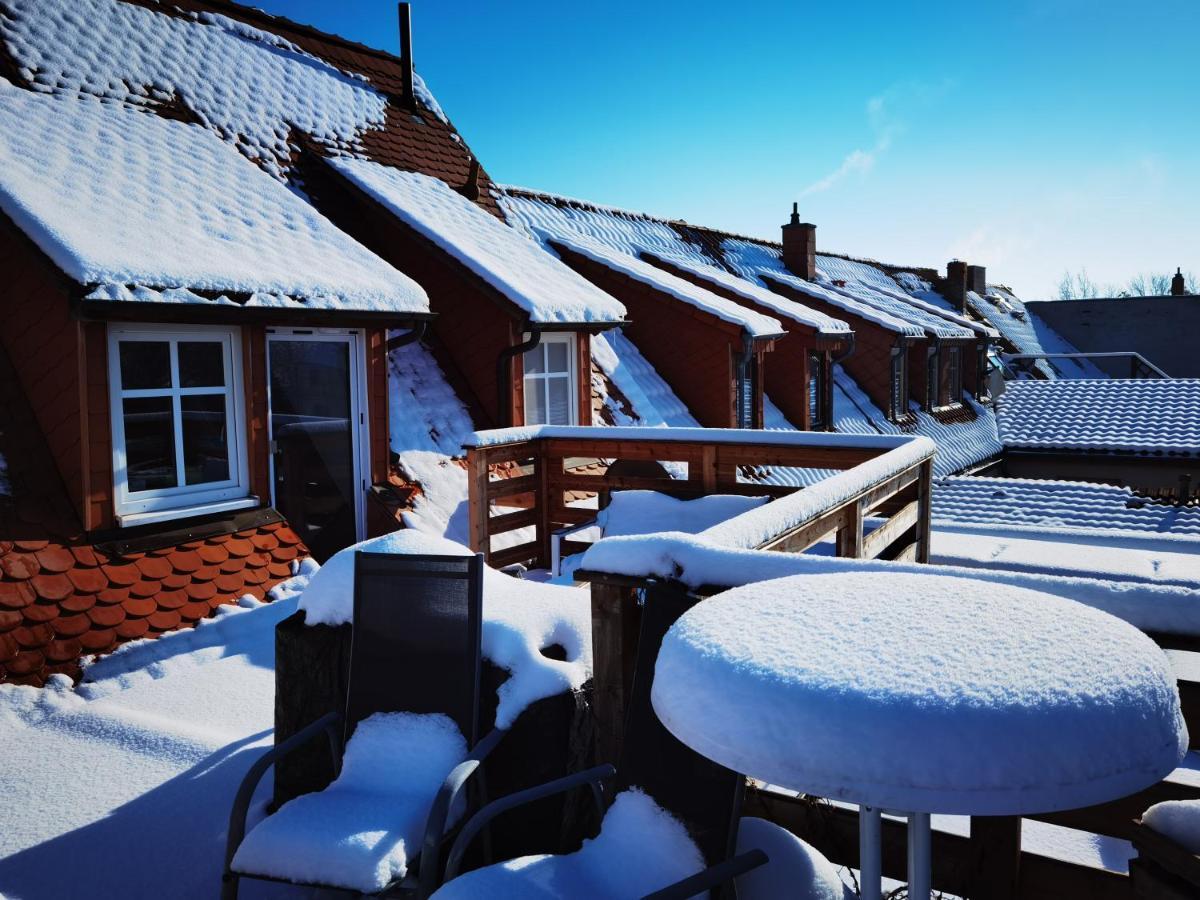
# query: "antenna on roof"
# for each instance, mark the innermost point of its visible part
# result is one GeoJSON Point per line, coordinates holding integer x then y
{"type": "Point", "coordinates": [409, 95]}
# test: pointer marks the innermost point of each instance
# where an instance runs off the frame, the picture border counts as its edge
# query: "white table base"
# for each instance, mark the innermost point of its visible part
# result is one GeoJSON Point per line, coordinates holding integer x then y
{"type": "Point", "coordinates": [870, 854]}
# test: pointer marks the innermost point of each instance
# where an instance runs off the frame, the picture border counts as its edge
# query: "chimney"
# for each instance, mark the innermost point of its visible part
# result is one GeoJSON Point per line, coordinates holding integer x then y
{"type": "Point", "coordinates": [1178, 289]}
{"type": "Point", "coordinates": [800, 246]}
{"type": "Point", "coordinates": [977, 279]}
{"type": "Point", "coordinates": [408, 97]}
{"type": "Point", "coordinates": [955, 289]}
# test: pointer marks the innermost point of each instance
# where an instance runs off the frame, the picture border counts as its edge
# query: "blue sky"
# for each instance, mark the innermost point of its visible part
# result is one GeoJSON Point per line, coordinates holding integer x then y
{"type": "Point", "coordinates": [1031, 136]}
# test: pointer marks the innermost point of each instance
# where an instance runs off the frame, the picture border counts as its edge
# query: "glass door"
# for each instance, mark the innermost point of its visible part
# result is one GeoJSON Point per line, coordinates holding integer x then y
{"type": "Point", "coordinates": [315, 436]}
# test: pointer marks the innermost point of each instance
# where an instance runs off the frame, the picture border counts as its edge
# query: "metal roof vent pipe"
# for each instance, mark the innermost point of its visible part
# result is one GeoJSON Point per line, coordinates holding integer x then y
{"type": "Point", "coordinates": [800, 246]}
{"type": "Point", "coordinates": [408, 95]}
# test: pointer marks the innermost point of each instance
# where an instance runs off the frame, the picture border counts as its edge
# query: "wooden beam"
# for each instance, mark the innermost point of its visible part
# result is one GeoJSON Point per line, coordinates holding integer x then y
{"type": "Point", "coordinates": [850, 533]}
{"type": "Point", "coordinates": [518, 554]}
{"type": "Point", "coordinates": [803, 536]}
{"type": "Point", "coordinates": [508, 521]}
{"type": "Point", "coordinates": [883, 536]}
{"type": "Point", "coordinates": [996, 841]}
{"type": "Point", "coordinates": [508, 487]}
{"type": "Point", "coordinates": [925, 518]}
{"type": "Point", "coordinates": [477, 502]}
{"type": "Point", "coordinates": [616, 620]}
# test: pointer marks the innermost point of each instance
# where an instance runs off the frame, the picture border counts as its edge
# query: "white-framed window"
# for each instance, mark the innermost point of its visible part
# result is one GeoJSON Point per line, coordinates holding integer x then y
{"type": "Point", "coordinates": [179, 443]}
{"type": "Point", "coordinates": [551, 397]}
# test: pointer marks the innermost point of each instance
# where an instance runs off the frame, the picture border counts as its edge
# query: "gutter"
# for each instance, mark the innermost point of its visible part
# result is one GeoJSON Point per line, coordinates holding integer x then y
{"type": "Point", "coordinates": [415, 334]}
{"type": "Point", "coordinates": [504, 373]}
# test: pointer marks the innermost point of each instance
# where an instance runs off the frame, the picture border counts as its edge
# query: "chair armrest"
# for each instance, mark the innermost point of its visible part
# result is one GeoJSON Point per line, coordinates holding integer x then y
{"type": "Point", "coordinates": [443, 803]}
{"type": "Point", "coordinates": [556, 538]}
{"type": "Point", "coordinates": [245, 792]}
{"type": "Point", "coordinates": [478, 821]}
{"type": "Point", "coordinates": [711, 877]}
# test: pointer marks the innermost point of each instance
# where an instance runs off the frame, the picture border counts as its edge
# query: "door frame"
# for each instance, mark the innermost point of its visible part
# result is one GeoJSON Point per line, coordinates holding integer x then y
{"type": "Point", "coordinates": [360, 436]}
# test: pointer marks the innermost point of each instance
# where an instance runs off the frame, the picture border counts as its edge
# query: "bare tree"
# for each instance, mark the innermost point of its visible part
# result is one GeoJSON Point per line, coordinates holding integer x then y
{"type": "Point", "coordinates": [1077, 287]}
{"type": "Point", "coordinates": [1149, 285]}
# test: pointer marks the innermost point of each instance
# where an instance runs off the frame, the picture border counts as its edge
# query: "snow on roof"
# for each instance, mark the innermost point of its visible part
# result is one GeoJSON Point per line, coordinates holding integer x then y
{"type": "Point", "coordinates": [1066, 504]}
{"type": "Point", "coordinates": [934, 304]}
{"type": "Point", "coordinates": [782, 306]}
{"type": "Point", "coordinates": [901, 306]}
{"type": "Point", "coordinates": [249, 86]}
{"type": "Point", "coordinates": [1016, 700]}
{"type": "Point", "coordinates": [653, 401]}
{"type": "Point", "coordinates": [1030, 334]}
{"type": "Point", "coordinates": [1159, 417]}
{"type": "Point", "coordinates": [753, 323]}
{"type": "Point", "coordinates": [848, 270]}
{"type": "Point", "coordinates": [227, 227]}
{"type": "Point", "coordinates": [519, 268]}
{"type": "Point", "coordinates": [844, 302]}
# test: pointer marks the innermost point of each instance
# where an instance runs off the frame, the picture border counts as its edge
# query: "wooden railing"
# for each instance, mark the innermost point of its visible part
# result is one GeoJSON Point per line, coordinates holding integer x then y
{"type": "Point", "coordinates": [523, 483]}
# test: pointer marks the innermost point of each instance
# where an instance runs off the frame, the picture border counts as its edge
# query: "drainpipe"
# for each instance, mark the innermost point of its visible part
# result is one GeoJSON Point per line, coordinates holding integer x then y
{"type": "Point", "coordinates": [504, 375]}
{"type": "Point", "coordinates": [408, 96]}
{"type": "Point", "coordinates": [837, 360]}
{"type": "Point", "coordinates": [417, 332]}
{"type": "Point", "coordinates": [743, 365]}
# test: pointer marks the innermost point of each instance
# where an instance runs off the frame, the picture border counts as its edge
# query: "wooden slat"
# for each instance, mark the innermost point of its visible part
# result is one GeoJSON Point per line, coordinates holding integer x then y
{"type": "Point", "coordinates": [1115, 818]}
{"type": "Point", "coordinates": [572, 482]}
{"type": "Point", "coordinates": [571, 515]}
{"type": "Point", "coordinates": [671, 451]}
{"type": "Point", "coordinates": [906, 553]}
{"type": "Point", "coordinates": [883, 536]}
{"type": "Point", "coordinates": [518, 554]}
{"type": "Point", "coordinates": [502, 453]}
{"type": "Point", "coordinates": [616, 620]}
{"type": "Point", "coordinates": [794, 457]}
{"type": "Point", "coordinates": [569, 547]}
{"type": "Point", "coordinates": [925, 519]}
{"type": "Point", "coordinates": [509, 521]}
{"type": "Point", "coordinates": [799, 539]}
{"type": "Point", "coordinates": [507, 487]}
{"type": "Point", "coordinates": [997, 842]}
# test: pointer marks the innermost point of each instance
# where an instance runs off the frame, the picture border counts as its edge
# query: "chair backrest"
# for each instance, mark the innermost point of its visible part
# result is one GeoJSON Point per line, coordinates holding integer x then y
{"type": "Point", "coordinates": [415, 645]}
{"type": "Point", "coordinates": [704, 796]}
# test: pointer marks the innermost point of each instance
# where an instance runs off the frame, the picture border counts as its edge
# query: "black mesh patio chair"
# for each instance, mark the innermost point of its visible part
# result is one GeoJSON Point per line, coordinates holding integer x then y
{"type": "Point", "coordinates": [415, 648]}
{"type": "Point", "coordinates": [704, 796]}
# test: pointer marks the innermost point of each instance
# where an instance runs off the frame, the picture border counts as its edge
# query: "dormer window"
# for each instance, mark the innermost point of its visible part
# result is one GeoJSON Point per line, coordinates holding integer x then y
{"type": "Point", "coordinates": [899, 385]}
{"type": "Point", "coordinates": [818, 415]}
{"type": "Point", "coordinates": [954, 390]}
{"type": "Point", "coordinates": [551, 380]}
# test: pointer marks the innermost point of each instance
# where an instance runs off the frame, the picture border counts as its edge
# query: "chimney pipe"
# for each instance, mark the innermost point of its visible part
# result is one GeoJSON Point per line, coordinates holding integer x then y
{"type": "Point", "coordinates": [800, 246]}
{"type": "Point", "coordinates": [977, 279]}
{"type": "Point", "coordinates": [470, 190]}
{"type": "Point", "coordinates": [408, 96]}
{"type": "Point", "coordinates": [1178, 288]}
{"type": "Point", "coordinates": [956, 284]}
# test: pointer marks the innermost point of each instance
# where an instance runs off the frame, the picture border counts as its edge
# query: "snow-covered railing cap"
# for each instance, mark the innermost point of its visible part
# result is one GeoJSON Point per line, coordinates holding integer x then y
{"type": "Point", "coordinates": [755, 324]}
{"type": "Point", "coordinates": [883, 443]}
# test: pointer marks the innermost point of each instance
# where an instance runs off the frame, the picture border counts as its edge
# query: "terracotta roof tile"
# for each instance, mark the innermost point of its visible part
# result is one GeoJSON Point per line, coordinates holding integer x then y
{"type": "Point", "coordinates": [9, 619]}
{"type": "Point", "coordinates": [185, 560]}
{"type": "Point", "coordinates": [171, 599]}
{"type": "Point", "coordinates": [113, 595]}
{"type": "Point", "coordinates": [165, 620]}
{"type": "Point", "coordinates": [51, 587]}
{"type": "Point", "coordinates": [19, 565]}
{"type": "Point", "coordinates": [85, 556]}
{"type": "Point", "coordinates": [27, 662]}
{"type": "Point", "coordinates": [155, 567]}
{"type": "Point", "coordinates": [63, 650]}
{"type": "Point", "coordinates": [194, 611]}
{"type": "Point", "coordinates": [202, 590]}
{"type": "Point", "coordinates": [265, 542]}
{"type": "Point", "coordinates": [122, 575]}
{"type": "Point", "coordinates": [31, 546]}
{"type": "Point", "coordinates": [139, 606]}
{"type": "Point", "coordinates": [132, 628]}
{"type": "Point", "coordinates": [176, 580]}
{"type": "Point", "coordinates": [89, 580]}
{"type": "Point", "coordinates": [8, 647]}
{"type": "Point", "coordinates": [213, 554]}
{"type": "Point", "coordinates": [78, 603]}
{"type": "Point", "coordinates": [106, 616]}
{"type": "Point", "coordinates": [233, 564]}
{"type": "Point", "coordinates": [40, 612]}
{"type": "Point", "coordinates": [145, 589]}
{"type": "Point", "coordinates": [98, 640]}
{"type": "Point", "coordinates": [16, 595]}
{"type": "Point", "coordinates": [33, 635]}
{"type": "Point", "coordinates": [55, 559]}
{"type": "Point", "coordinates": [239, 547]}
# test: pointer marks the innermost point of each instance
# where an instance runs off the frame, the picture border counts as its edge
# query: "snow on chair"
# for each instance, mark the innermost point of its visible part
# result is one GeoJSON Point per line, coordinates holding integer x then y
{"type": "Point", "coordinates": [411, 721]}
{"type": "Point", "coordinates": [671, 830]}
{"type": "Point", "coordinates": [1167, 840]}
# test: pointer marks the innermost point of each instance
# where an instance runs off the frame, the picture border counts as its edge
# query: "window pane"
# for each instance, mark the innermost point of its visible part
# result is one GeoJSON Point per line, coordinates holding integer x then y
{"type": "Point", "coordinates": [205, 444]}
{"type": "Point", "coordinates": [560, 401]}
{"type": "Point", "coordinates": [535, 401]}
{"type": "Point", "coordinates": [201, 364]}
{"type": "Point", "coordinates": [149, 443]}
{"type": "Point", "coordinates": [556, 351]}
{"type": "Point", "coordinates": [535, 360]}
{"type": "Point", "coordinates": [145, 364]}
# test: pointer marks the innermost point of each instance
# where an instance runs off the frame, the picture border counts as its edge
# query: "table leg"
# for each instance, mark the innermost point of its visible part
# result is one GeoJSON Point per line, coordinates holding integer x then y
{"type": "Point", "coordinates": [920, 839]}
{"type": "Point", "coordinates": [870, 853]}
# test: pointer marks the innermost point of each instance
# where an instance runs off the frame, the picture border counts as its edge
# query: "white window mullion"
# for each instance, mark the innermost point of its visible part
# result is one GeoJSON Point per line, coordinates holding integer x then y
{"type": "Point", "coordinates": [177, 414]}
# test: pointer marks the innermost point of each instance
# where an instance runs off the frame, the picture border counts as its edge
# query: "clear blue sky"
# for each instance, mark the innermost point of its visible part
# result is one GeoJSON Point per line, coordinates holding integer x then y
{"type": "Point", "coordinates": [1028, 135]}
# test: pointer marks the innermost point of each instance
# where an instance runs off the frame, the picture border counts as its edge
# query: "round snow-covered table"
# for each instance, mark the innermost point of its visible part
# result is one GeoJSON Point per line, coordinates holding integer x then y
{"type": "Point", "coordinates": [922, 693]}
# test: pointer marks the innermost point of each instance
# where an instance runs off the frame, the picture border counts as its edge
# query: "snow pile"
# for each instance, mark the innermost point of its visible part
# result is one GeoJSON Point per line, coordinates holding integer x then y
{"type": "Point", "coordinates": [641, 848]}
{"type": "Point", "coordinates": [653, 401]}
{"type": "Point", "coordinates": [697, 561]}
{"type": "Point", "coordinates": [360, 832]}
{"type": "Point", "coordinates": [248, 86]}
{"type": "Point", "coordinates": [1158, 416]}
{"type": "Point", "coordinates": [1177, 819]}
{"type": "Point", "coordinates": [921, 692]}
{"type": "Point", "coordinates": [753, 323]}
{"type": "Point", "coordinates": [794, 868]}
{"type": "Point", "coordinates": [516, 266]}
{"type": "Point", "coordinates": [1067, 504]}
{"type": "Point", "coordinates": [428, 426]}
{"type": "Point", "coordinates": [649, 512]}
{"type": "Point", "coordinates": [520, 619]}
{"type": "Point", "coordinates": [159, 728]}
{"type": "Point", "coordinates": [228, 228]}
{"type": "Point", "coordinates": [781, 306]}
{"type": "Point", "coordinates": [1029, 334]}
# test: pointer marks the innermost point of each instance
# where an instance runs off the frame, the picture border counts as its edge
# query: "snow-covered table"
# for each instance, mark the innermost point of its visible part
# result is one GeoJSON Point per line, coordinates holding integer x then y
{"type": "Point", "coordinates": [921, 693]}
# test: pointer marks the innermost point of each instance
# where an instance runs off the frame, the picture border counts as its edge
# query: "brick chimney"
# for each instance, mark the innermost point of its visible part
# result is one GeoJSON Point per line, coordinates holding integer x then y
{"type": "Point", "coordinates": [977, 279]}
{"type": "Point", "coordinates": [800, 246]}
{"type": "Point", "coordinates": [1178, 288]}
{"type": "Point", "coordinates": [955, 287]}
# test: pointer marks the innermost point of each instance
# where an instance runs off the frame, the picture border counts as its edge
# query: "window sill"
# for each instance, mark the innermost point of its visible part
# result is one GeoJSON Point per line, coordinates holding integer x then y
{"type": "Point", "coordinates": [185, 512]}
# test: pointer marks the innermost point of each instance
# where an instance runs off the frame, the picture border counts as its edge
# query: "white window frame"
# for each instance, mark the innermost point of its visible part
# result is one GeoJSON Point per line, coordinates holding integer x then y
{"type": "Point", "coordinates": [360, 436]}
{"type": "Point", "coordinates": [142, 507]}
{"type": "Point", "coordinates": [541, 380]}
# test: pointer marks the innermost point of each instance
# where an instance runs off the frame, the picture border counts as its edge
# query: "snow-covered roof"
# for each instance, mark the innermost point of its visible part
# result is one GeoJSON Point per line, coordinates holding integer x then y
{"type": "Point", "coordinates": [755, 324]}
{"type": "Point", "coordinates": [781, 306]}
{"type": "Point", "coordinates": [162, 204]}
{"type": "Point", "coordinates": [843, 301]}
{"type": "Point", "coordinates": [1029, 333]}
{"type": "Point", "coordinates": [518, 267]}
{"type": "Point", "coordinates": [1159, 417]}
{"type": "Point", "coordinates": [899, 305]}
{"type": "Point", "coordinates": [249, 86]}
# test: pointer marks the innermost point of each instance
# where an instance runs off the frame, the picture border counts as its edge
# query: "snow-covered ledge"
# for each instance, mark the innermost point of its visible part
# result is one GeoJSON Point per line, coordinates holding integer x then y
{"type": "Point", "coordinates": [881, 443]}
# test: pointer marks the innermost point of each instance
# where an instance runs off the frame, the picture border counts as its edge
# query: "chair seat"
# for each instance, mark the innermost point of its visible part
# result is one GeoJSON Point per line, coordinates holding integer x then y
{"type": "Point", "coordinates": [794, 869]}
{"type": "Point", "coordinates": [362, 831]}
{"type": "Point", "coordinates": [640, 849]}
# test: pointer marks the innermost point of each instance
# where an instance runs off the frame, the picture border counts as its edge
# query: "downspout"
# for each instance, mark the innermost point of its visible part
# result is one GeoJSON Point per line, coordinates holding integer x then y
{"type": "Point", "coordinates": [743, 364]}
{"type": "Point", "coordinates": [504, 375]}
{"type": "Point", "coordinates": [415, 334]}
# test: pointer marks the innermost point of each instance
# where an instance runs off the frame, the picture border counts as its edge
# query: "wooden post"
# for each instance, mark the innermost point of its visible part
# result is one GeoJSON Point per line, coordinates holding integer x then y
{"type": "Point", "coordinates": [615, 625]}
{"type": "Point", "coordinates": [850, 532]}
{"type": "Point", "coordinates": [708, 468]}
{"type": "Point", "coordinates": [541, 501]}
{"type": "Point", "coordinates": [924, 511]}
{"type": "Point", "coordinates": [477, 502]}
{"type": "Point", "coordinates": [996, 842]}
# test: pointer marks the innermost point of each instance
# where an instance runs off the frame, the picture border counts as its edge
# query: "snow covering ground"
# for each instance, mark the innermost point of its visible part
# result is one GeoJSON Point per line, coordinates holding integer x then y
{"type": "Point", "coordinates": [228, 228]}
{"type": "Point", "coordinates": [122, 787]}
{"type": "Point", "coordinates": [250, 87]}
{"type": "Point", "coordinates": [921, 692]}
{"type": "Point", "coordinates": [532, 278]}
